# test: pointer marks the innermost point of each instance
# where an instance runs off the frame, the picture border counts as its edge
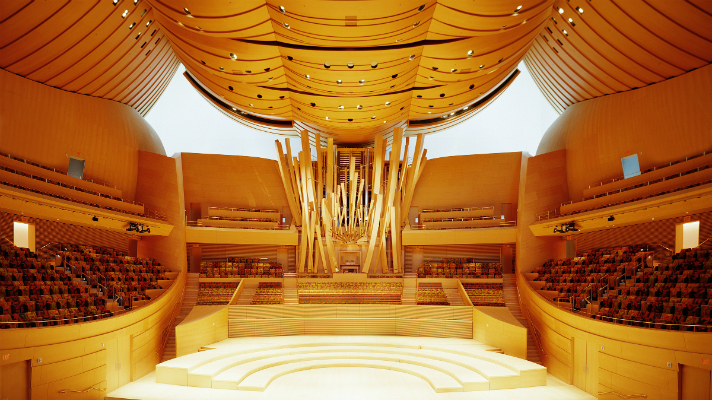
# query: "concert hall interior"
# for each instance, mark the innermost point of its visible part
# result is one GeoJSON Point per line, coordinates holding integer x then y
{"type": "Point", "coordinates": [351, 263]}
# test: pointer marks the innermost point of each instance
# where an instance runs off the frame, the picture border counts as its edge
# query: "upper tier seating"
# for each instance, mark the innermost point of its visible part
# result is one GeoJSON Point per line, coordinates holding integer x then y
{"type": "Point", "coordinates": [631, 289]}
{"type": "Point", "coordinates": [126, 278]}
{"type": "Point", "coordinates": [241, 268]}
{"type": "Point", "coordinates": [485, 294]}
{"type": "Point", "coordinates": [269, 293]}
{"type": "Point", "coordinates": [215, 293]}
{"type": "Point", "coordinates": [460, 218]}
{"type": "Point", "coordinates": [350, 292]}
{"type": "Point", "coordinates": [241, 218]}
{"type": "Point", "coordinates": [431, 294]}
{"type": "Point", "coordinates": [465, 268]}
{"type": "Point", "coordinates": [34, 292]}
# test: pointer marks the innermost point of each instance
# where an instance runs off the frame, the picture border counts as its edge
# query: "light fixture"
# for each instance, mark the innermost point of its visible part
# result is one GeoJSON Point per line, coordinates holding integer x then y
{"type": "Point", "coordinates": [412, 56]}
{"type": "Point", "coordinates": [374, 64]}
{"type": "Point", "coordinates": [186, 11]}
{"type": "Point", "coordinates": [580, 10]}
{"type": "Point", "coordinates": [516, 10]}
{"type": "Point", "coordinates": [564, 32]}
{"type": "Point", "coordinates": [327, 118]}
{"type": "Point", "coordinates": [416, 24]}
{"type": "Point", "coordinates": [286, 25]}
{"type": "Point", "coordinates": [126, 12]}
{"type": "Point", "coordinates": [233, 56]}
{"type": "Point", "coordinates": [388, 103]}
{"type": "Point", "coordinates": [95, 218]}
{"type": "Point", "coordinates": [358, 107]}
{"type": "Point", "coordinates": [470, 53]}
{"type": "Point", "coordinates": [561, 10]}
{"type": "Point", "coordinates": [307, 76]}
{"type": "Point", "coordinates": [362, 81]}
{"type": "Point", "coordinates": [132, 25]}
{"type": "Point", "coordinates": [611, 218]}
{"type": "Point", "coordinates": [350, 65]}
{"type": "Point", "coordinates": [327, 65]}
{"type": "Point", "coordinates": [115, 2]}
{"type": "Point", "coordinates": [341, 107]}
{"type": "Point", "coordinates": [421, 8]}
{"type": "Point", "coordinates": [148, 23]}
{"type": "Point", "coordinates": [338, 82]}
{"type": "Point", "coordinates": [374, 117]}
{"type": "Point", "coordinates": [282, 10]}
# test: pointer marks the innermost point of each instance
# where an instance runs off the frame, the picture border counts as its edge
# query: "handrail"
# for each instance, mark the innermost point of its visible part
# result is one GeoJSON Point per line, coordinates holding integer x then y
{"type": "Point", "coordinates": [9, 241]}
{"type": "Point", "coordinates": [81, 391]}
{"type": "Point", "coordinates": [167, 331]}
{"type": "Point", "coordinates": [624, 396]}
{"type": "Point", "coordinates": [110, 314]}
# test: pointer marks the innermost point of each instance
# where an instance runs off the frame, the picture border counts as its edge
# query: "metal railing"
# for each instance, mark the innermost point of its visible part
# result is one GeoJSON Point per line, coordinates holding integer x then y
{"type": "Point", "coordinates": [501, 224]}
{"type": "Point", "coordinates": [624, 396]}
{"type": "Point", "coordinates": [199, 224]}
{"type": "Point", "coordinates": [166, 334]}
{"type": "Point", "coordinates": [81, 391]}
{"type": "Point", "coordinates": [59, 171]}
{"type": "Point", "coordinates": [459, 209]}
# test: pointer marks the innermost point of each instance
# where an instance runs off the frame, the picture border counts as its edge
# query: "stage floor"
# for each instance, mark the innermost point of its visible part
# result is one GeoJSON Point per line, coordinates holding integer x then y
{"type": "Point", "coordinates": [348, 367]}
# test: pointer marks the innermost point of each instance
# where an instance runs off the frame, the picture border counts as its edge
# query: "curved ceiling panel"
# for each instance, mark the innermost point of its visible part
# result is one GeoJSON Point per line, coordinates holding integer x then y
{"type": "Point", "coordinates": [590, 49]}
{"type": "Point", "coordinates": [351, 70]}
{"type": "Point", "coordinates": [112, 49]}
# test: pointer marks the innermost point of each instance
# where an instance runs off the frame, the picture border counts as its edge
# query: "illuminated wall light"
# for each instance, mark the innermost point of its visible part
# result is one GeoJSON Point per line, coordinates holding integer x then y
{"type": "Point", "coordinates": [561, 10]}
{"type": "Point", "coordinates": [571, 21]}
{"type": "Point", "coordinates": [516, 10]}
{"type": "Point", "coordinates": [135, 2]}
{"type": "Point", "coordinates": [115, 2]}
{"type": "Point", "coordinates": [565, 33]}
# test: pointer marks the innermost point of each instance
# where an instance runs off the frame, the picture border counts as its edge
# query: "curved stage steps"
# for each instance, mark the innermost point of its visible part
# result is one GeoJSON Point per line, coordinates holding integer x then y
{"type": "Point", "coordinates": [447, 365]}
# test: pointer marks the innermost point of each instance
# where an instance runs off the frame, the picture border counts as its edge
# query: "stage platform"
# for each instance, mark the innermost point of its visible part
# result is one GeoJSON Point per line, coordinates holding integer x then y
{"type": "Point", "coordinates": [350, 367]}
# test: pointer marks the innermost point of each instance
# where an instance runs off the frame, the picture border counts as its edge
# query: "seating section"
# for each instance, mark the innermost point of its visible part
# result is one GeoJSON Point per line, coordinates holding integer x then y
{"type": "Point", "coordinates": [485, 294]}
{"type": "Point", "coordinates": [242, 268]}
{"type": "Point", "coordinates": [241, 218]}
{"type": "Point", "coordinates": [350, 292]}
{"type": "Point", "coordinates": [215, 293]}
{"type": "Point", "coordinates": [465, 268]}
{"type": "Point", "coordinates": [626, 286]}
{"type": "Point", "coordinates": [34, 292]}
{"type": "Point", "coordinates": [126, 278]}
{"type": "Point", "coordinates": [431, 294]}
{"type": "Point", "coordinates": [269, 293]}
{"type": "Point", "coordinates": [460, 218]}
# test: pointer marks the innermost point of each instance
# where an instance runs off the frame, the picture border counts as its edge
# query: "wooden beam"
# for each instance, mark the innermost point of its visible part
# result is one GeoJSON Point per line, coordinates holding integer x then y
{"type": "Point", "coordinates": [288, 188]}
{"type": "Point", "coordinates": [327, 218]}
{"type": "Point", "coordinates": [410, 188]}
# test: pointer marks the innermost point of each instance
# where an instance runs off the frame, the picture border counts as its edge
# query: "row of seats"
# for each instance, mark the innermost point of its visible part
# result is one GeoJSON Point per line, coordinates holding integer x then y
{"type": "Point", "coordinates": [648, 196]}
{"type": "Point", "coordinates": [431, 294]}
{"type": "Point", "coordinates": [485, 294]}
{"type": "Point", "coordinates": [36, 164]}
{"type": "Point", "coordinates": [625, 285]}
{"type": "Point", "coordinates": [35, 292]}
{"type": "Point", "coordinates": [465, 268]}
{"type": "Point", "coordinates": [480, 218]}
{"type": "Point", "coordinates": [241, 268]}
{"type": "Point", "coordinates": [215, 293]}
{"type": "Point", "coordinates": [268, 293]}
{"type": "Point", "coordinates": [350, 292]}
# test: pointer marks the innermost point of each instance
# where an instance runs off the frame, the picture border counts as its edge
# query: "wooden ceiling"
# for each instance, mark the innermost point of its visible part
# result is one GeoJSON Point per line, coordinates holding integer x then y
{"type": "Point", "coordinates": [351, 69]}
{"type": "Point", "coordinates": [104, 48]}
{"type": "Point", "coordinates": [595, 48]}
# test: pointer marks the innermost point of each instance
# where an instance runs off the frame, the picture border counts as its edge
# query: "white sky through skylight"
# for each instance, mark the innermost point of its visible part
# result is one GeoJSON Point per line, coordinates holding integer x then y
{"type": "Point", "coordinates": [516, 121]}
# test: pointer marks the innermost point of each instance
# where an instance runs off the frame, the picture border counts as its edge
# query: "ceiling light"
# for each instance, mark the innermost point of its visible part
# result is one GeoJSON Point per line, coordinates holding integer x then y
{"type": "Point", "coordinates": [229, 87]}
{"type": "Point", "coordinates": [341, 107]}
{"type": "Point", "coordinates": [282, 10]}
{"type": "Point", "coordinates": [384, 122]}
{"type": "Point", "coordinates": [313, 104]}
{"type": "Point", "coordinates": [611, 218]}
{"type": "Point", "coordinates": [338, 82]}
{"type": "Point", "coordinates": [394, 76]}
{"type": "Point", "coordinates": [115, 1]}
{"type": "Point", "coordinates": [453, 70]}
{"type": "Point", "coordinates": [565, 33]}
{"type": "Point", "coordinates": [452, 113]}
{"type": "Point", "coordinates": [252, 105]}
{"type": "Point", "coordinates": [358, 107]}
{"type": "Point", "coordinates": [465, 108]}
{"type": "Point", "coordinates": [135, 2]}
{"type": "Point", "coordinates": [234, 109]}
{"type": "Point", "coordinates": [362, 81]}
{"type": "Point", "coordinates": [327, 65]}
{"type": "Point", "coordinates": [132, 25]}
{"type": "Point", "coordinates": [286, 25]}
{"type": "Point", "coordinates": [148, 23]}
{"type": "Point", "coordinates": [350, 65]}
{"type": "Point", "coordinates": [186, 11]}
{"type": "Point", "coordinates": [374, 117]}
{"type": "Point", "coordinates": [307, 76]}
{"type": "Point", "coordinates": [221, 68]}
{"type": "Point", "coordinates": [442, 94]}
{"type": "Point", "coordinates": [470, 53]}
{"type": "Point", "coordinates": [580, 10]}
{"type": "Point", "coordinates": [327, 118]}
{"type": "Point", "coordinates": [416, 24]}
{"type": "Point", "coordinates": [472, 86]}
{"type": "Point", "coordinates": [412, 56]}
{"type": "Point", "coordinates": [259, 96]}
{"type": "Point", "coordinates": [421, 8]}
{"type": "Point", "coordinates": [233, 56]}
{"type": "Point", "coordinates": [388, 103]}
{"type": "Point", "coordinates": [517, 9]}
{"type": "Point", "coordinates": [571, 21]}
{"type": "Point", "coordinates": [95, 218]}
{"type": "Point", "coordinates": [482, 66]}
{"type": "Point", "coordinates": [561, 10]}
{"type": "Point", "coordinates": [126, 12]}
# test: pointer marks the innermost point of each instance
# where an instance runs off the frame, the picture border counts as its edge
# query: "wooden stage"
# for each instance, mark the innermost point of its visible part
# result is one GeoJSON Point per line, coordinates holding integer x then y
{"type": "Point", "coordinates": [348, 367]}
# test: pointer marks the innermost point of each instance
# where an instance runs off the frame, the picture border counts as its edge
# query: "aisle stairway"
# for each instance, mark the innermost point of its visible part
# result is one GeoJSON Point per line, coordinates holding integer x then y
{"type": "Point", "coordinates": [454, 297]}
{"type": "Point", "coordinates": [511, 299]}
{"type": "Point", "coordinates": [246, 296]}
{"type": "Point", "coordinates": [290, 289]}
{"type": "Point", "coordinates": [410, 286]}
{"type": "Point", "coordinates": [189, 300]}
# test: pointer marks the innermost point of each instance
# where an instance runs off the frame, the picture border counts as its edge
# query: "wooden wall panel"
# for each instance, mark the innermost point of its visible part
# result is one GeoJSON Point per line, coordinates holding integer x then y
{"type": "Point", "coordinates": [469, 181]}
{"type": "Point", "coordinates": [47, 125]}
{"type": "Point", "coordinates": [661, 123]}
{"type": "Point", "coordinates": [159, 187]}
{"type": "Point", "coordinates": [232, 181]}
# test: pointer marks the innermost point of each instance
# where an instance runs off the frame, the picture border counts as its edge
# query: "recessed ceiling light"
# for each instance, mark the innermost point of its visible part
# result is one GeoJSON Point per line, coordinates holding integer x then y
{"type": "Point", "coordinates": [221, 68]}
{"type": "Point", "coordinates": [186, 11]}
{"type": "Point", "coordinates": [229, 87]}
{"type": "Point", "coordinates": [394, 76]}
{"type": "Point", "coordinates": [464, 109]}
{"type": "Point", "coordinates": [517, 9]}
{"type": "Point", "coordinates": [453, 70]}
{"type": "Point", "coordinates": [115, 2]}
{"type": "Point", "coordinates": [286, 25]}
{"type": "Point", "coordinates": [374, 64]}
{"type": "Point", "coordinates": [388, 103]}
{"type": "Point", "coordinates": [580, 10]}
{"type": "Point", "coordinates": [259, 96]}
{"type": "Point", "coordinates": [472, 86]}
{"type": "Point", "coordinates": [290, 58]}
{"type": "Point", "coordinates": [282, 10]}
{"type": "Point", "coordinates": [327, 118]}
{"type": "Point", "coordinates": [233, 56]}
{"type": "Point", "coordinates": [358, 107]}
{"type": "Point", "coordinates": [327, 65]}
{"type": "Point", "coordinates": [338, 82]}
{"type": "Point", "coordinates": [251, 105]}
{"type": "Point", "coordinates": [362, 81]}
{"type": "Point", "coordinates": [341, 107]}
{"type": "Point", "coordinates": [442, 94]}
{"type": "Point", "coordinates": [126, 12]}
{"type": "Point", "coordinates": [148, 23]}
{"type": "Point", "coordinates": [350, 65]}
{"type": "Point", "coordinates": [470, 53]}
{"type": "Point", "coordinates": [313, 104]}
{"type": "Point", "coordinates": [482, 66]}
{"type": "Point", "coordinates": [374, 117]}
{"type": "Point", "coordinates": [416, 24]}
{"type": "Point", "coordinates": [561, 10]}
{"type": "Point", "coordinates": [565, 33]}
{"type": "Point", "coordinates": [132, 25]}
{"type": "Point", "coordinates": [412, 56]}
{"type": "Point", "coordinates": [421, 8]}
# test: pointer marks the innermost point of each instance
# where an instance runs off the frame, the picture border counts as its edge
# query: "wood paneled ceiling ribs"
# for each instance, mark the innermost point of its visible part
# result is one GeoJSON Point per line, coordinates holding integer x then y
{"type": "Point", "coordinates": [113, 49]}
{"type": "Point", "coordinates": [350, 70]}
{"type": "Point", "coordinates": [596, 48]}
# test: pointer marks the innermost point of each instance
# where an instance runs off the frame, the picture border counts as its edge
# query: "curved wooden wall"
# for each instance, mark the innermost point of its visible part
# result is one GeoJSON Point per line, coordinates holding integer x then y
{"type": "Point", "coordinates": [46, 125]}
{"type": "Point", "coordinates": [109, 49]}
{"type": "Point", "coordinates": [661, 123]}
{"type": "Point", "coordinates": [385, 63]}
{"type": "Point", "coordinates": [590, 49]}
